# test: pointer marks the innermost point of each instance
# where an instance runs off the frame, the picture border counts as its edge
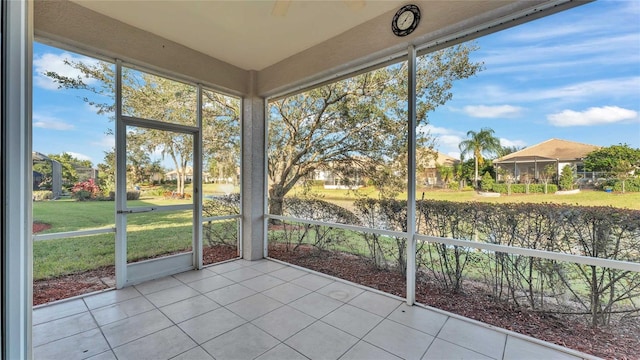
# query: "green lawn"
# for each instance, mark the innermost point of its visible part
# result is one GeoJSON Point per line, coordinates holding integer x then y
{"type": "Point", "coordinates": [584, 198]}
{"type": "Point", "coordinates": [149, 234]}
{"type": "Point", "coordinates": [154, 233]}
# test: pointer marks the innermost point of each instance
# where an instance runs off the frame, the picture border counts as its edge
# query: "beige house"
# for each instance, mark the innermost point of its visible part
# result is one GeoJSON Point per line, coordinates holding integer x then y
{"type": "Point", "coordinates": [532, 160]}
{"type": "Point", "coordinates": [429, 162]}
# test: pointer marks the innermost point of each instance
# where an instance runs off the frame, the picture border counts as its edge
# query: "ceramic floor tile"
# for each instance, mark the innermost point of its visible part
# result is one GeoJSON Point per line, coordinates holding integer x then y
{"type": "Point", "coordinates": [207, 326]}
{"type": "Point", "coordinates": [172, 295]}
{"type": "Point", "coordinates": [56, 311]}
{"type": "Point", "coordinates": [190, 276]}
{"type": "Point", "coordinates": [232, 346]}
{"type": "Point", "coordinates": [288, 273]}
{"type": "Point", "coordinates": [225, 267]}
{"type": "Point", "coordinates": [262, 282]}
{"type": "Point", "coordinates": [441, 349]}
{"type": "Point", "coordinates": [79, 346]}
{"type": "Point", "coordinates": [474, 337]}
{"type": "Point", "coordinates": [281, 352]}
{"type": "Point", "coordinates": [111, 297]}
{"type": "Point", "coordinates": [245, 263]}
{"type": "Point", "coordinates": [286, 292]}
{"type": "Point", "coordinates": [399, 340]}
{"type": "Point", "coordinates": [283, 322]}
{"type": "Point", "coordinates": [160, 345]}
{"type": "Point", "coordinates": [211, 283]}
{"type": "Point", "coordinates": [521, 349]}
{"type": "Point", "coordinates": [157, 285]}
{"type": "Point", "coordinates": [268, 266]}
{"type": "Point", "coordinates": [121, 310]}
{"type": "Point", "coordinates": [321, 341]}
{"type": "Point", "coordinates": [254, 306]}
{"type": "Point", "coordinates": [189, 308]}
{"type": "Point", "coordinates": [316, 305]}
{"type": "Point", "coordinates": [197, 353]}
{"type": "Point", "coordinates": [61, 328]}
{"type": "Point", "coordinates": [376, 303]}
{"type": "Point", "coordinates": [135, 327]}
{"type": "Point", "coordinates": [353, 320]}
{"type": "Point", "coordinates": [340, 291]}
{"type": "Point", "coordinates": [107, 355]}
{"type": "Point", "coordinates": [365, 351]}
{"type": "Point", "coordinates": [312, 282]}
{"type": "Point", "coordinates": [229, 294]}
{"type": "Point", "coordinates": [425, 320]}
{"type": "Point", "coordinates": [242, 274]}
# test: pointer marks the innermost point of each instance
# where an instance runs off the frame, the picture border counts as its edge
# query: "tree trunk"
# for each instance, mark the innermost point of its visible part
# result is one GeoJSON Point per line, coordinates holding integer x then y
{"type": "Point", "coordinates": [276, 199]}
{"type": "Point", "coordinates": [475, 180]}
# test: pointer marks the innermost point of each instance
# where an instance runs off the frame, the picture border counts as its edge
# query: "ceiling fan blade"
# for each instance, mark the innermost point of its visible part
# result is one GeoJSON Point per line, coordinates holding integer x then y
{"type": "Point", "coordinates": [280, 8]}
{"type": "Point", "coordinates": [355, 4]}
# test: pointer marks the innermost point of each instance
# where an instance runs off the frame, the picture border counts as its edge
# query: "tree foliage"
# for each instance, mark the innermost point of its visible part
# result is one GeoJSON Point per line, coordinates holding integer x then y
{"type": "Point", "coordinates": [480, 144]}
{"type": "Point", "coordinates": [69, 165]}
{"type": "Point", "coordinates": [359, 122]}
{"type": "Point", "coordinates": [606, 159]}
{"type": "Point", "coordinates": [157, 98]}
{"type": "Point", "coordinates": [566, 178]}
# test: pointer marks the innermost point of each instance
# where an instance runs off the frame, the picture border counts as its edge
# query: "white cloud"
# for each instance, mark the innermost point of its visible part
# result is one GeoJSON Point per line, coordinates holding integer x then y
{"type": "Point", "coordinates": [594, 89]}
{"type": "Point", "coordinates": [454, 154]}
{"type": "Point", "coordinates": [56, 63]}
{"type": "Point", "coordinates": [108, 141]}
{"type": "Point", "coordinates": [496, 111]}
{"type": "Point", "coordinates": [446, 140]}
{"type": "Point", "coordinates": [79, 156]}
{"type": "Point", "coordinates": [512, 143]}
{"type": "Point", "coordinates": [592, 116]}
{"type": "Point", "coordinates": [49, 122]}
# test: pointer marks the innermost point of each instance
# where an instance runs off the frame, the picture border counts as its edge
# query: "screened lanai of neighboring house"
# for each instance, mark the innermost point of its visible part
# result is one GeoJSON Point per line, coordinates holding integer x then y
{"type": "Point", "coordinates": [256, 51]}
{"type": "Point", "coordinates": [555, 153]}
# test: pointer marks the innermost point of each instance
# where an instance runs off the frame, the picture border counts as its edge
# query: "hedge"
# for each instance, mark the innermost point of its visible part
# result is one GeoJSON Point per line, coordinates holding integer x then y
{"type": "Point", "coordinates": [630, 185]}
{"type": "Point", "coordinates": [522, 188]}
{"type": "Point", "coordinates": [40, 195]}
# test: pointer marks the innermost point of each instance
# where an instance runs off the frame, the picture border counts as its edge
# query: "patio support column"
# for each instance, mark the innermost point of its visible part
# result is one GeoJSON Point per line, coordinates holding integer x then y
{"type": "Point", "coordinates": [411, 181]}
{"type": "Point", "coordinates": [16, 178]}
{"type": "Point", "coordinates": [253, 173]}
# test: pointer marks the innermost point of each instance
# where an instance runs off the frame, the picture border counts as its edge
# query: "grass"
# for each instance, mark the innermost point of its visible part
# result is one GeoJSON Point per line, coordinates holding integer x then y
{"type": "Point", "coordinates": [154, 233]}
{"type": "Point", "coordinates": [584, 198]}
{"type": "Point", "coordinates": [149, 235]}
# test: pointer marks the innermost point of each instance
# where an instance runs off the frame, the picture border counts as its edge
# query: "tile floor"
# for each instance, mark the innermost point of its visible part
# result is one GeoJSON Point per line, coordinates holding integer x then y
{"type": "Point", "coordinates": [262, 310]}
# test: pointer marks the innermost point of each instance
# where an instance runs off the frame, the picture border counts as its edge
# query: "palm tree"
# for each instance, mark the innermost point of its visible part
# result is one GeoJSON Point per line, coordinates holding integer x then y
{"type": "Point", "coordinates": [479, 144]}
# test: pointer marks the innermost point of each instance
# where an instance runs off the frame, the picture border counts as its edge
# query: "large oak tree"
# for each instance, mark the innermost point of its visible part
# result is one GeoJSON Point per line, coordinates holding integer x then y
{"type": "Point", "coordinates": [359, 122]}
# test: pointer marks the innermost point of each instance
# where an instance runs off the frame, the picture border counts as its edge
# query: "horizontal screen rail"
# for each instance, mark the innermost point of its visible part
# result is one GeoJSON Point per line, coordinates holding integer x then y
{"type": "Point", "coordinates": [220, 218]}
{"type": "Point", "coordinates": [543, 254]}
{"type": "Point", "coordinates": [341, 226]}
{"type": "Point", "coordinates": [72, 234]}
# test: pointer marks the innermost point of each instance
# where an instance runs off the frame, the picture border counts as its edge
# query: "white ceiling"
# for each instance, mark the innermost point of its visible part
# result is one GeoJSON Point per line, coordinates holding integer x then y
{"type": "Point", "coordinates": [248, 34]}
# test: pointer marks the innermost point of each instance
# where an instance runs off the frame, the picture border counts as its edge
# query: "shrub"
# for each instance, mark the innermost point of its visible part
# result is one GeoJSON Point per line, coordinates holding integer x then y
{"type": "Point", "coordinates": [85, 190]}
{"type": "Point", "coordinates": [222, 205]}
{"type": "Point", "coordinates": [486, 183]}
{"type": "Point", "coordinates": [566, 178]}
{"type": "Point", "coordinates": [133, 195]}
{"type": "Point", "coordinates": [630, 185]}
{"type": "Point", "coordinates": [601, 232]}
{"type": "Point", "coordinates": [521, 188]}
{"type": "Point", "coordinates": [41, 195]}
{"type": "Point", "coordinates": [221, 232]}
{"type": "Point", "coordinates": [318, 236]}
{"type": "Point", "coordinates": [387, 214]}
{"type": "Point", "coordinates": [453, 186]}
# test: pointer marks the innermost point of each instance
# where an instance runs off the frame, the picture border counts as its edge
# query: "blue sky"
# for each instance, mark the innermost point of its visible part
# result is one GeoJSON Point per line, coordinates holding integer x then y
{"type": "Point", "coordinates": [574, 75]}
